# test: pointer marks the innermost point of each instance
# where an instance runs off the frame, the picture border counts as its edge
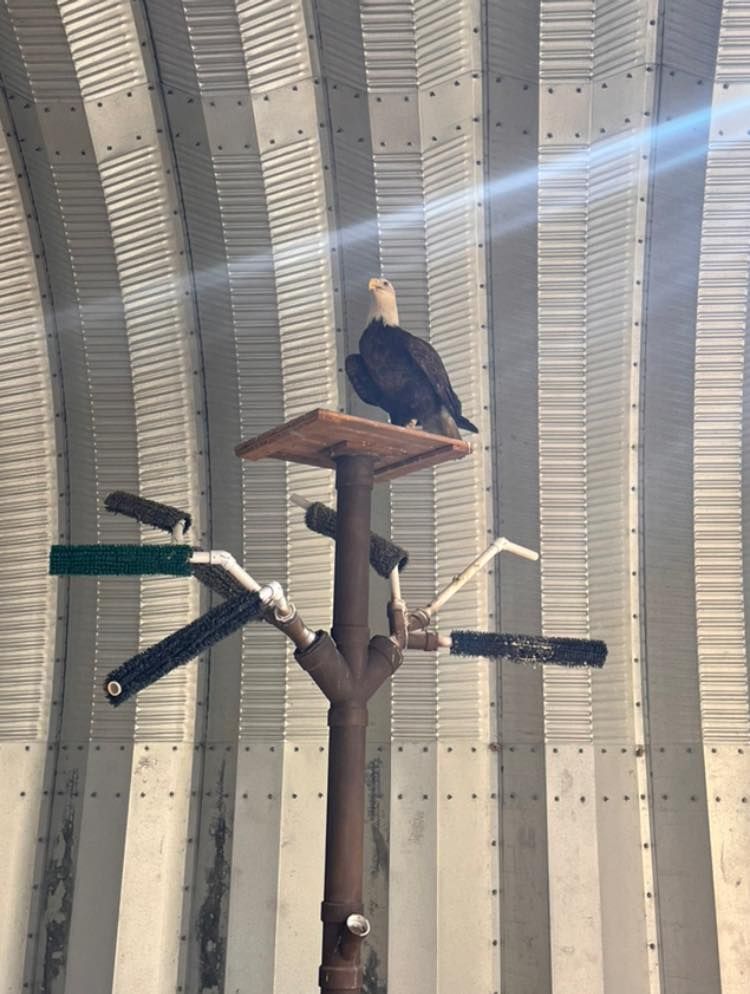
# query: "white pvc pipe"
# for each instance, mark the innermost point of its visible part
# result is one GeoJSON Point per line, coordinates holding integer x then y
{"type": "Point", "coordinates": [178, 532]}
{"type": "Point", "coordinates": [300, 501]}
{"type": "Point", "coordinates": [283, 610]}
{"type": "Point", "coordinates": [395, 584]}
{"type": "Point", "coordinates": [272, 595]}
{"type": "Point", "coordinates": [499, 545]}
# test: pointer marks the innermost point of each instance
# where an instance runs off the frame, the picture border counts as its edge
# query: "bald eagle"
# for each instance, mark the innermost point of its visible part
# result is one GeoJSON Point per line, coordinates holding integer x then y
{"type": "Point", "coordinates": [402, 374]}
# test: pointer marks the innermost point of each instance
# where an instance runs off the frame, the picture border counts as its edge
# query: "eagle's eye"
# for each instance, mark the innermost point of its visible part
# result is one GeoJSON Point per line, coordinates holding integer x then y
{"type": "Point", "coordinates": [386, 283]}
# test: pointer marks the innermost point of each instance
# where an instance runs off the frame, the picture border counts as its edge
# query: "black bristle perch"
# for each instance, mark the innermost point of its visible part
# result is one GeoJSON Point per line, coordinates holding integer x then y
{"type": "Point", "coordinates": [217, 579]}
{"type": "Point", "coordinates": [148, 512]}
{"type": "Point", "coordinates": [149, 666]}
{"type": "Point", "coordinates": [530, 648]}
{"type": "Point", "coordinates": [384, 555]}
{"type": "Point", "coordinates": [120, 560]}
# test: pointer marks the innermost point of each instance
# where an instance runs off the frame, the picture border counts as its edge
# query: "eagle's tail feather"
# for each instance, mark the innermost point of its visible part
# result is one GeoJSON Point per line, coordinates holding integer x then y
{"type": "Point", "coordinates": [447, 424]}
{"type": "Point", "coordinates": [467, 425]}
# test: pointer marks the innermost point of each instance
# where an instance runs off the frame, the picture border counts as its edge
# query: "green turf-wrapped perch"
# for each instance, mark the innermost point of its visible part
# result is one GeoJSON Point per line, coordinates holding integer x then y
{"type": "Point", "coordinates": [120, 560]}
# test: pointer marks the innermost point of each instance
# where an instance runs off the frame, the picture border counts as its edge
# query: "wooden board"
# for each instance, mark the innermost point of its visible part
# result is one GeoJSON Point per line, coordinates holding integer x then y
{"type": "Point", "coordinates": [316, 438]}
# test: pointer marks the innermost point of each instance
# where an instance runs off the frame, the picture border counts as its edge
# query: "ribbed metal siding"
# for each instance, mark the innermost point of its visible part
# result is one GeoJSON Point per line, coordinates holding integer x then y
{"type": "Point", "coordinates": [28, 512]}
{"type": "Point", "coordinates": [719, 374]}
{"type": "Point", "coordinates": [562, 418]}
{"type": "Point", "coordinates": [721, 328]}
{"type": "Point", "coordinates": [566, 29]}
{"type": "Point", "coordinates": [620, 31]}
{"type": "Point", "coordinates": [29, 496]}
{"type": "Point", "coordinates": [614, 851]}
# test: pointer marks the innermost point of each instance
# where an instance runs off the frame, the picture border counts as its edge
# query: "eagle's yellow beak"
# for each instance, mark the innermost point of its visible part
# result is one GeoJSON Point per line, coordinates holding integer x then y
{"type": "Point", "coordinates": [373, 284]}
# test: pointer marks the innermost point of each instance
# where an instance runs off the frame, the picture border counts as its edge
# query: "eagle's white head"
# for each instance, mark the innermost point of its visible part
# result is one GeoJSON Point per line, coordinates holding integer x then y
{"type": "Point", "coordinates": [382, 301]}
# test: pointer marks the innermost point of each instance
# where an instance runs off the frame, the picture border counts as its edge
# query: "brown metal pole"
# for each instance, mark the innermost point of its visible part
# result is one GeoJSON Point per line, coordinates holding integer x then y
{"type": "Point", "coordinates": [351, 585]}
{"type": "Point", "coordinates": [340, 969]}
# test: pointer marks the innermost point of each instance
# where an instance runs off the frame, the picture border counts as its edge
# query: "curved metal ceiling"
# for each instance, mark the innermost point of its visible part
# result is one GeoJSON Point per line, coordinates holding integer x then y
{"type": "Point", "coordinates": [194, 194]}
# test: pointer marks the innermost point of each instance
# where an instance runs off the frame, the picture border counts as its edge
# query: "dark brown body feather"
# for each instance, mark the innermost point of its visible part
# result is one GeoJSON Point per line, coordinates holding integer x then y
{"type": "Point", "coordinates": [406, 377]}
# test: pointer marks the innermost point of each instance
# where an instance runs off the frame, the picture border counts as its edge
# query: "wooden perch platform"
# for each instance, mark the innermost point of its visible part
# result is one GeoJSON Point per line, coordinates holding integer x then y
{"type": "Point", "coordinates": [318, 437]}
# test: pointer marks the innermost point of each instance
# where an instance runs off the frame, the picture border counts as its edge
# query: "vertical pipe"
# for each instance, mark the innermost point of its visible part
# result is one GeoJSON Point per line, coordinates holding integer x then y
{"type": "Point", "coordinates": [354, 477]}
{"type": "Point", "coordinates": [344, 847]}
{"type": "Point", "coordinates": [340, 969]}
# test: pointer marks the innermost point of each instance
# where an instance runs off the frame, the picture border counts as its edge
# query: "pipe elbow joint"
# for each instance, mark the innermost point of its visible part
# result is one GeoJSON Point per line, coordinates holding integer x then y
{"type": "Point", "coordinates": [384, 651]}
{"type": "Point", "coordinates": [425, 640]}
{"type": "Point", "coordinates": [419, 619]}
{"type": "Point", "coordinates": [397, 622]}
{"type": "Point", "coordinates": [383, 659]}
{"type": "Point", "coordinates": [327, 667]}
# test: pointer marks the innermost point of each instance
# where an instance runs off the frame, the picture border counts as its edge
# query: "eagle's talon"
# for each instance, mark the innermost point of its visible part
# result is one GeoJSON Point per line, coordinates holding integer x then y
{"type": "Point", "coordinates": [413, 424]}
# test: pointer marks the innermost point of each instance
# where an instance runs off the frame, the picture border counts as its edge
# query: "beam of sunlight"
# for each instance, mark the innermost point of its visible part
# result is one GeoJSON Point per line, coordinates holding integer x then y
{"type": "Point", "coordinates": [673, 139]}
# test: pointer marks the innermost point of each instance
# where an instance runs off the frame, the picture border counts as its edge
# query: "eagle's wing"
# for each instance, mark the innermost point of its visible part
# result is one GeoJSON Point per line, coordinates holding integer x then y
{"type": "Point", "coordinates": [360, 379]}
{"type": "Point", "coordinates": [427, 359]}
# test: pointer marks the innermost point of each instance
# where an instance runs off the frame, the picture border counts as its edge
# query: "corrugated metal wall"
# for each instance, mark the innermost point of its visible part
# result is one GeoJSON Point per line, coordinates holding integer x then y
{"type": "Point", "coordinates": [194, 194]}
